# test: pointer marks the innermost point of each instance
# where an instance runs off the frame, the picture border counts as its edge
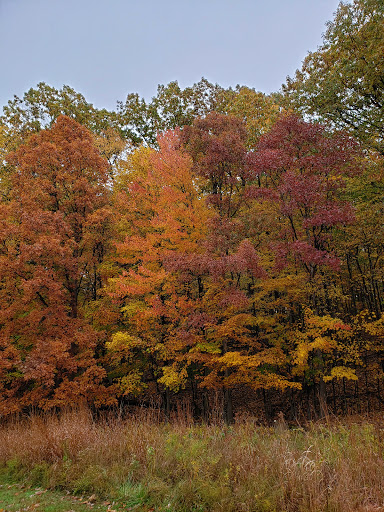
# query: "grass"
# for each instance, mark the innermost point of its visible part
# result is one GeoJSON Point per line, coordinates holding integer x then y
{"type": "Point", "coordinates": [143, 464]}
{"type": "Point", "coordinates": [16, 497]}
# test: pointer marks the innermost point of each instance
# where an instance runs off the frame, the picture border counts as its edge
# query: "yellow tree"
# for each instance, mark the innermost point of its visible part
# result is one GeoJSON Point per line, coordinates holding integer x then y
{"type": "Point", "coordinates": [258, 111]}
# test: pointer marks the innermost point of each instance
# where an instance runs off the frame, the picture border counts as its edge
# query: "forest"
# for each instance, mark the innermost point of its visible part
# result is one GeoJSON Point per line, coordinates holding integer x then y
{"type": "Point", "coordinates": [217, 251]}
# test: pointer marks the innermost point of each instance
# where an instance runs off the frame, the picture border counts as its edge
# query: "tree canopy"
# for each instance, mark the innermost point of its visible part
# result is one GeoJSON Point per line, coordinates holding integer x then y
{"type": "Point", "coordinates": [342, 82]}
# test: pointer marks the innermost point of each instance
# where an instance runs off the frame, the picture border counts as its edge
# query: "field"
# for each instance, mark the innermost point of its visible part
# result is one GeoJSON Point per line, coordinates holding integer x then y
{"type": "Point", "coordinates": [75, 463]}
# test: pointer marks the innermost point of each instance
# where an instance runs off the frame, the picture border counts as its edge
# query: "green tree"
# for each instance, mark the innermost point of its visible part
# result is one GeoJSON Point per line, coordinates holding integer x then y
{"type": "Point", "coordinates": [40, 107]}
{"type": "Point", "coordinates": [172, 107]}
{"type": "Point", "coordinates": [342, 81]}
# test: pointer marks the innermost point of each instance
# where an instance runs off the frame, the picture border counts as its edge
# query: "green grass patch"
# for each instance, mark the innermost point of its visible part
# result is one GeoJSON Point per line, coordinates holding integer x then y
{"type": "Point", "coordinates": [15, 497]}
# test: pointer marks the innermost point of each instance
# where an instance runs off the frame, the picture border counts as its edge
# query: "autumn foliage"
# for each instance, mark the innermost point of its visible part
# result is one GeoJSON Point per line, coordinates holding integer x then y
{"type": "Point", "coordinates": [54, 231]}
{"type": "Point", "coordinates": [234, 261]}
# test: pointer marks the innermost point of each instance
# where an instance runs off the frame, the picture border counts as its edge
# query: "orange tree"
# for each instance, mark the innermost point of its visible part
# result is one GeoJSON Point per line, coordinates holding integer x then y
{"type": "Point", "coordinates": [53, 232]}
{"type": "Point", "coordinates": [160, 216]}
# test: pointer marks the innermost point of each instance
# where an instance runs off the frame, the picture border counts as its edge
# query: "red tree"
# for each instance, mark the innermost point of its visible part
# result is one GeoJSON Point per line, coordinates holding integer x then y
{"type": "Point", "coordinates": [302, 169]}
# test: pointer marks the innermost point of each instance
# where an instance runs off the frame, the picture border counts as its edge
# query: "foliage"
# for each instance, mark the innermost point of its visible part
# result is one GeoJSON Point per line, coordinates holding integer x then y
{"type": "Point", "coordinates": [204, 246]}
{"type": "Point", "coordinates": [174, 107]}
{"type": "Point", "coordinates": [39, 108]}
{"type": "Point", "coordinates": [342, 81]}
{"type": "Point", "coordinates": [53, 233]}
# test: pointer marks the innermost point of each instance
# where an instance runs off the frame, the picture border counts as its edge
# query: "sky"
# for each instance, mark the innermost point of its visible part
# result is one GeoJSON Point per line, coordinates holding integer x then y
{"type": "Point", "coordinates": [106, 49]}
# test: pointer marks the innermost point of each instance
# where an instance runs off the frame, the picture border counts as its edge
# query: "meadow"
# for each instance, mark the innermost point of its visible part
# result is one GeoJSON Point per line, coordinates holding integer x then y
{"type": "Point", "coordinates": [75, 462]}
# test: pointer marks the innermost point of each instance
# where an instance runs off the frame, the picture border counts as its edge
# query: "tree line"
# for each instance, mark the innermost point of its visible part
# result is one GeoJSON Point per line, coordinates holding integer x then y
{"type": "Point", "coordinates": [209, 243]}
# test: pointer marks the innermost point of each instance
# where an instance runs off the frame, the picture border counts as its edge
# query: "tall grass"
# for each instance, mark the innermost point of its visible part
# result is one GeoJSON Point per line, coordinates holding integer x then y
{"type": "Point", "coordinates": [182, 467]}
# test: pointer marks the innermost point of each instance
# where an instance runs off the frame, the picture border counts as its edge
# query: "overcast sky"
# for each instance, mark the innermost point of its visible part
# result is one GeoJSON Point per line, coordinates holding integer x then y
{"type": "Point", "coordinates": [108, 48]}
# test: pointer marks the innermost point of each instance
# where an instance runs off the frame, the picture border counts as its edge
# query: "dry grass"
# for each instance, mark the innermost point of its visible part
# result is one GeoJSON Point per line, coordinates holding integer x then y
{"type": "Point", "coordinates": [183, 467]}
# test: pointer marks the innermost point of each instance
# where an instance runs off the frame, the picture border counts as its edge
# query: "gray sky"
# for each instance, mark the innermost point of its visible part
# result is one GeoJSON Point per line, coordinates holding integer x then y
{"type": "Point", "coordinates": [107, 48]}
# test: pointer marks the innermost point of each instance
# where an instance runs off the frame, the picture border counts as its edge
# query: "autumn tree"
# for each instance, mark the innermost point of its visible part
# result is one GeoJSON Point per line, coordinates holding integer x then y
{"type": "Point", "coordinates": [244, 351]}
{"type": "Point", "coordinates": [40, 107]}
{"type": "Point", "coordinates": [54, 234]}
{"type": "Point", "coordinates": [161, 218]}
{"type": "Point", "coordinates": [301, 170]}
{"type": "Point", "coordinates": [186, 318]}
{"type": "Point", "coordinates": [217, 146]}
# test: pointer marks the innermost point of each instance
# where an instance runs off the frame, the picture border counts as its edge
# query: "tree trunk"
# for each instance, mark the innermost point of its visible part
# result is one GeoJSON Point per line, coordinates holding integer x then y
{"type": "Point", "coordinates": [167, 403]}
{"type": "Point", "coordinates": [228, 406]}
{"type": "Point", "coordinates": [322, 392]}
